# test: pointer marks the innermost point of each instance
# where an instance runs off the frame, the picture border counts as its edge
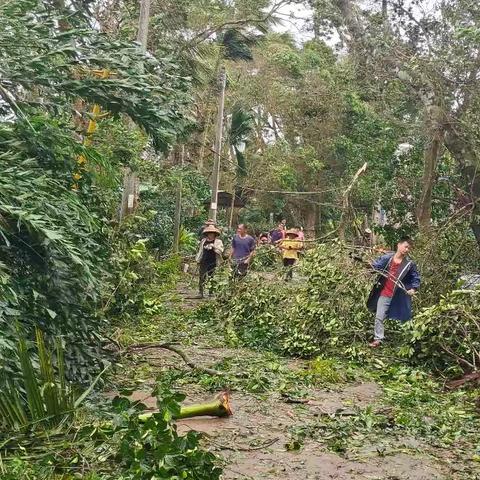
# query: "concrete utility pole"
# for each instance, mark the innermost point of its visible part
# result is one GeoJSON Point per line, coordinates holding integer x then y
{"type": "Point", "coordinates": [130, 180]}
{"type": "Point", "coordinates": [178, 207]}
{"type": "Point", "coordinates": [218, 144]}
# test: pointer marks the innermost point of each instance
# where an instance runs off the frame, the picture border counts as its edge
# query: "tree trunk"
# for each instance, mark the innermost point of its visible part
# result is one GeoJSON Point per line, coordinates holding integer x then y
{"type": "Point", "coordinates": [63, 24]}
{"type": "Point", "coordinates": [351, 21]}
{"type": "Point", "coordinates": [178, 203]}
{"type": "Point", "coordinates": [431, 155]}
{"type": "Point", "coordinates": [131, 185]}
{"type": "Point", "coordinates": [385, 10]}
{"type": "Point", "coordinates": [310, 216]}
{"type": "Point", "coordinates": [316, 19]}
{"type": "Point", "coordinates": [130, 194]}
{"type": "Point", "coordinates": [468, 162]}
{"type": "Point", "coordinates": [219, 407]}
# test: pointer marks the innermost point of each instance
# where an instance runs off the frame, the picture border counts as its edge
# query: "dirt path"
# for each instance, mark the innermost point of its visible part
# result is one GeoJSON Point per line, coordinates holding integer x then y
{"type": "Point", "coordinates": [259, 440]}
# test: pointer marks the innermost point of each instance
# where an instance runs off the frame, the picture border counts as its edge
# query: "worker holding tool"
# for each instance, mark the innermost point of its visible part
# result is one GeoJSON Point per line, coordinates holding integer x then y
{"type": "Point", "coordinates": [397, 283]}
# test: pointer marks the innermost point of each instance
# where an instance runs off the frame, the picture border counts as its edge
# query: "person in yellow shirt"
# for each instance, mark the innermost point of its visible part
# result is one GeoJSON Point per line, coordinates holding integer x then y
{"type": "Point", "coordinates": [290, 246]}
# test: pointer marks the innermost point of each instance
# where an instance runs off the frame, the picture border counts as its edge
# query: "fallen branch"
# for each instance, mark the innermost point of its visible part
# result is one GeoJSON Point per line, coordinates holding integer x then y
{"type": "Point", "coordinates": [346, 201]}
{"type": "Point", "coordinates": [289, 399]}
{"type": "Point", "coordinates": [469, 377]}
{"type": "Point", "coordinates": [460, 360]}
{"type": "Point", "coordinates": [179, 352]}
{"type": "Point", "coordinates": [266, 444]}
{"type": "Point", "coordinates": [219, 407]}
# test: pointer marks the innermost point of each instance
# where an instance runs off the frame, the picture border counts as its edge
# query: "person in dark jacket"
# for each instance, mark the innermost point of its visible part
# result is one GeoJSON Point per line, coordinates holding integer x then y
{"type": "Point", "coordinates": [391, 296]}
{"type": "Point", "coordinates": [209, 255]}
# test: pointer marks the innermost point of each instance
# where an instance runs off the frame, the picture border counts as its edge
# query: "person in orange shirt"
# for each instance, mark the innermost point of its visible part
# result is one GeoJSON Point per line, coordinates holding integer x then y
{"type": "Point", "coordinates": [290, 246]}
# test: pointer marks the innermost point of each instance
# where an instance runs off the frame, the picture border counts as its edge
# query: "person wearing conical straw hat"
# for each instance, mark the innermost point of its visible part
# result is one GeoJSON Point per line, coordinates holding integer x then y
{"type": "Point", "coordinates": [205, 225]}
{"type": "Point", "coordinates": [209, 255]}
{"type": "Point", "coordinates": [290, 246]}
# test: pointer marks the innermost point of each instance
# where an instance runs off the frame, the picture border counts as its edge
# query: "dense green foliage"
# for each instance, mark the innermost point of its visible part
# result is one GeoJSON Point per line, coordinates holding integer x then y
{"type": "Point", "coordinates": [52, 257]}
{"type": "Point", "coordinates": [120, 446]}
{"type": "Point", "coordinates": [395, 89]}
{"type": "Point", "coordinates": [327, 315]}
{"type": "Point", "coordinates": [158, 451]}
{"type": "Point", "coordinates": [55, 242]}
{"type": "Point", "coordinates": [49, 400]}
{"type": "Point", "coordinates": [446, 336]}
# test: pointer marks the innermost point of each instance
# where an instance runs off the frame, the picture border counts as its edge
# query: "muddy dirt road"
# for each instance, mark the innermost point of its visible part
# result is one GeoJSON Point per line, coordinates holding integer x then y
{"type": "Point", "coordinates": [276, 437]}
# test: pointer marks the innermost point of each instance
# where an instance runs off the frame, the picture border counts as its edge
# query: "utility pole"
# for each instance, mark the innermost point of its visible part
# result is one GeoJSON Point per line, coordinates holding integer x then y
{"type": "Point", "coordinates": [218, 144]}
{"type": "Point", "coordinates": [178, 206]}
{"type": "Point", "coordinates": [130, 181]}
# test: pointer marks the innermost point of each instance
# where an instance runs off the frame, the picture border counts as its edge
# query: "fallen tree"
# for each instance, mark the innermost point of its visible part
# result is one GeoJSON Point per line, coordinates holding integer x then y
{"type": "Point", "coordinates": [218, 407]}
{"type": "Point", "coordinates": [446, 336]}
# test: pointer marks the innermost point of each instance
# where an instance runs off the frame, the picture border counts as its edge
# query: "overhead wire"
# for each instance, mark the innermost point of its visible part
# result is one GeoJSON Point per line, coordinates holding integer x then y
{"type": "Point", "coordinates": [298, 193]}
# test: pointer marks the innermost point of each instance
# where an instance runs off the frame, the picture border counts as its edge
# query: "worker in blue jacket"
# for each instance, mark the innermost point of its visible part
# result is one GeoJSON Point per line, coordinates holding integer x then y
{"type": "Point", "coordinates": [398, 281]}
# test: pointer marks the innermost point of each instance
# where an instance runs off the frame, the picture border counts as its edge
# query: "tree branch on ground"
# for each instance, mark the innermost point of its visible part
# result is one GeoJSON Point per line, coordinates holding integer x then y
{"type": "Point", "coordinates": [169, 346]}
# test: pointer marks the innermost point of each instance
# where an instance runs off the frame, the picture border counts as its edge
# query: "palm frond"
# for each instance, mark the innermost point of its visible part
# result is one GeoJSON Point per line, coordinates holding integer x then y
{"type": "Point", "coordinates": [46, 397]}
{"type": "Point", "coordinates": [242, 125]}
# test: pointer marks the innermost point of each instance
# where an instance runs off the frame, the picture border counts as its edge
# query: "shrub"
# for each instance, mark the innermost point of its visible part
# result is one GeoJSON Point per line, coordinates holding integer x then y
{"type": "Point", "coordinates": [154, 449]}
{"type": "Point", "coordinates": [118, 444]}
{"type": "Point", "coordinates": [140, 280]}
{"type": "Point", "coordinates": [446, 336]}
{"type": "Point", "coordinates": [51, 249]}
{"type": "Point", "coordinates": [443, 256]}
{"type": "Point", "coordinates": [327, 314]}
{"type": "Point", "coordinates": [331, 308]}
{"type": "Point", "coordinates": [252, 311]}
{"type": "Point", "coordinates": [266, 258]}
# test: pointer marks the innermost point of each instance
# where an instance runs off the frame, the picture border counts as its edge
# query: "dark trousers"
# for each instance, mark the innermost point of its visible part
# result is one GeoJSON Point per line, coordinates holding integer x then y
{"type": "Point", "coordinates": [288, 263]}
{"type": "Point", "coordinates": [206, 271]}
{"type": "Point", "coordinates": [239, 269]}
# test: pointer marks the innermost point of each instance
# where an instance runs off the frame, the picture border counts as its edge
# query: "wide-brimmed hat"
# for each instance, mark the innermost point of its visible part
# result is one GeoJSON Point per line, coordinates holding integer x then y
{"type": "Point", "coordinates": [211, 229]}
{"type": "Point", "coordinates": [291, 232]}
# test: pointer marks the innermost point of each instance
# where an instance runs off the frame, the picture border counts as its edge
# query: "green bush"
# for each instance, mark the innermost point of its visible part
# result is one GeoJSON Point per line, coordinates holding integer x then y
{"type": "Point", "coordinates": [331, 308]}
{"type": "Point", "coordinates": [253, 311]}
{"type": "Point", "coordinates": [153, 449]}
{"type": "Point", "coordinates": [113, 446]}
{"type": "Point", "coordinates": [446, 336]}
{"type": "Point", "coordinates": [326, 315]}
{"type": "Point", "coordinates": [266, 258]}
{"type": "Point", "coordinates": [53, 253]}
{"type": "Point", "coordinates": [55, 210]}
{"type": "Point", "coordinates": [140, 280]}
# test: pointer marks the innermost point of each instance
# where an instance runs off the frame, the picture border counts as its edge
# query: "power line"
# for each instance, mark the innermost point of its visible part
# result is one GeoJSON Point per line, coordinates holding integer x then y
{"type": "Point", "coordinates": [290, 192]}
